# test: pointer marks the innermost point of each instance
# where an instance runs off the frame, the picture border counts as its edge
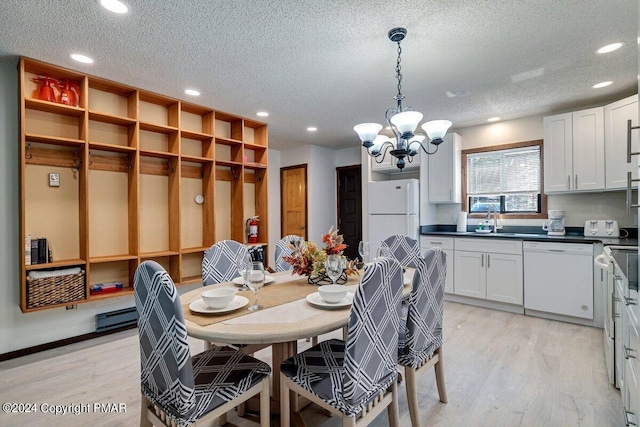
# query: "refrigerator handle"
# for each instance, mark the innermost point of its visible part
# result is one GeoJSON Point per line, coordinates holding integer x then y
{"type": "Point", "coordinates": [407, 188]}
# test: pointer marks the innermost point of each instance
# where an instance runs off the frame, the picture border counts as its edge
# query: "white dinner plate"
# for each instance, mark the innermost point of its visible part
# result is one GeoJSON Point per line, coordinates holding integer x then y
{"type": "Point", "coordinates": [317, 300]}
{"type": "Point", "coordinates": [267, 279]}
{"type": "Point", "coordinates": [199, 306]}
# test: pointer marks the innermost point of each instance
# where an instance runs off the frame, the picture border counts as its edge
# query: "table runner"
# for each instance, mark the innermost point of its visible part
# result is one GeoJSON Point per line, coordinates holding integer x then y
{"type": "Point", "coordinates": [269, 296]}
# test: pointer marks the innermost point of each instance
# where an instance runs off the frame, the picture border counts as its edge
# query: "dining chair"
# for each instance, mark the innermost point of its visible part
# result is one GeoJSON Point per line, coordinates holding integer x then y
{"type": "Point", "coordinates": [355, 379]}
{"type": "Point", "coordinates": [283, 247]}
{"type": "Point", "coordinates": [420, 340]}
{"type": "Point", "coordinates": [178, 389]}
{"type": "Point", "coordinates": [403, 248]}
{"type": "Point", "coordinates": [219, 262]}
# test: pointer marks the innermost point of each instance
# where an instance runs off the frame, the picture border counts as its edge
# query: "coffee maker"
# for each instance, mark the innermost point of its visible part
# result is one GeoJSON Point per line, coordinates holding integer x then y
{"type": "Point", "coordinates": [554, 226]}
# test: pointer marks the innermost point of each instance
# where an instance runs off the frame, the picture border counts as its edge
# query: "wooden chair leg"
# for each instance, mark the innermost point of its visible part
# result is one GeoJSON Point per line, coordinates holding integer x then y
{"type": "Point", "coordinates": [314, 341]}
{"type": "Point", "coordinates": [265, 403]}
{"type": "Point", "coordinates": [285, 410]}
{"type": "Point", "coordinates": [439, 368]}
{"type": "Point", "coordinates": [392, 409]}
{"type": "Point", "coordinates": [222, 420]}
{"type": "Point", "coordinates": [412, 396]}
{"type": "Point", "coordinates": [144, 405]}
{"type": "Point", "coordinates": [348, 421]}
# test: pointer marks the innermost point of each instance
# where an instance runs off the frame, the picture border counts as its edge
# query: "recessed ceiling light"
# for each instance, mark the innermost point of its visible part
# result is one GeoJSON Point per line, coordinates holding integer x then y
{"type": "Point", "coordinates": [312, 129]}
{"type": "Point", "coordinates": [114, 6]}
{"type": "Point", "coordinates": [262, 114]}
{"type": "Point", "coordinates": [602, 84]}
{"type": "Point", "coordinates": [81, 58]}
{"type": "Point", "coordinates": [493, 119]}
{"type": "Point", "coordinates": [610, 47]}
{"type": "Point", "coordinates": [192, 92]}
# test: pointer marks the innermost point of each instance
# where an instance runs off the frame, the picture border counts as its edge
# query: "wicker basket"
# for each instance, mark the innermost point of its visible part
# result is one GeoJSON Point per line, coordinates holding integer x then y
{"type": "Point", "coordinates": [55, 290]}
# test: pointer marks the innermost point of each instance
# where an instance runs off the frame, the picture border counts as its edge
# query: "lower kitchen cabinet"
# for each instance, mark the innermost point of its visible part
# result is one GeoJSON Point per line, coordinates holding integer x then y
{"type": "Point", "coordinates": [489, 269]}
{"type": "Point", "coordinates": [446, 244]}
{"type": "Point", "coordinates": [629, 387]}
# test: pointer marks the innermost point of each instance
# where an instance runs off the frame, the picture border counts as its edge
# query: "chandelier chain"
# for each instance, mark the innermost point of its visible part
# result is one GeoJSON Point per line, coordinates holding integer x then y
{"type": "Point", "coordinates": [398, 69]}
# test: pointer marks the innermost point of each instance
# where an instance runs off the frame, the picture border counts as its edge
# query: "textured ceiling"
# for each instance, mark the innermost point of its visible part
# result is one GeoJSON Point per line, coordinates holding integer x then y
{"type": "Point", "coordinates": [329, 64]}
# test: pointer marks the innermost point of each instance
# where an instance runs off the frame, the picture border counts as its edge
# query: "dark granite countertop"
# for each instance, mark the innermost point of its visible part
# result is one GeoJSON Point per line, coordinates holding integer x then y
{"type": "Point", "coordinates": [532, 233]}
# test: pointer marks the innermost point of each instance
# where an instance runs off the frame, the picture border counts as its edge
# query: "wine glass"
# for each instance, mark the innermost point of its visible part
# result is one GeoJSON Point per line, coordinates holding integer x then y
{"type": "Point", "coordinates": [255, 281]}
{"type": "Point", "coordinates": [333, 267]}
{"type": "Point", "coordinates": [242, 261]}
{"type": "Point", "coordinates": [363, 250]}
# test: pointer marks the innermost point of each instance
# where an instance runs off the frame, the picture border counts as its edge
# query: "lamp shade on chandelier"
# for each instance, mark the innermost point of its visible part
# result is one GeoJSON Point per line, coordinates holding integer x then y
{"type": "Point", "coordinates": [403, 122]}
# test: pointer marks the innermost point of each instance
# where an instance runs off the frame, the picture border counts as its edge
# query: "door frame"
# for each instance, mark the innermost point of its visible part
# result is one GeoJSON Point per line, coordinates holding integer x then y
{"type": "Point", "coordinates": [306, 198]}
{"type": "Point", "coordinates": [338, 170]}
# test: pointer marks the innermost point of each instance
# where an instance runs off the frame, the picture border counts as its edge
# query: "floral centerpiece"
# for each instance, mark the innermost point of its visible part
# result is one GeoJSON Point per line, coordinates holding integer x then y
{"type": "Point", "coordinates": [308, 260]}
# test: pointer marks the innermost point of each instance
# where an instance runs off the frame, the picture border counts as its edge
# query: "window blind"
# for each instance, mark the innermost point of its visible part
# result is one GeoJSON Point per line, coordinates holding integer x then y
{"type": "Point", "coordinates": [504, 172]}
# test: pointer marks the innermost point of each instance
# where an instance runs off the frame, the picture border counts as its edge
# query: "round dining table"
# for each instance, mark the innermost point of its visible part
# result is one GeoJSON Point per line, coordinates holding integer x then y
{"type": "Point", "coordinates": [280, 326]}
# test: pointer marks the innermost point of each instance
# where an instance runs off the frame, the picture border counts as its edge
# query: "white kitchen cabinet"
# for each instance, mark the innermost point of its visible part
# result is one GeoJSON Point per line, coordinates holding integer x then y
{"type": "Point", "coordinates": [389, 164]}
{"type": "Point", "coordinates": [489, 269]}
{"type": "Point", "coordinates": [616, 116]}
{"type": "Point", "coordinates": [629, 387]}
{"type": "Point", "coordinates": [446, 244]}
{"type": "Point", "coordinates": [574, 151]}
{"type": "Point", "coordinates": [444, 171]}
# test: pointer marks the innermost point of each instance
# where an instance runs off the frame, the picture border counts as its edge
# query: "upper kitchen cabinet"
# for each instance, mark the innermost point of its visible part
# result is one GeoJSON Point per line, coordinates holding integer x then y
{"type": "Point", "coordinates": [574, 151]}
{"type": "Point", "coordinates": [444, 171]}
{"type": "Point", "coordinates": [389, 165]}
{"type": "Point", "coordinates": [616, 116]}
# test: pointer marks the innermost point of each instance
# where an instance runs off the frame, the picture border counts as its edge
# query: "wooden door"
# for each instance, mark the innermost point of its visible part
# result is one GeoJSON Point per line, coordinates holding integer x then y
{"type": "Point", "coordinates": [293, 200]}
{"type": "Point", "coordinates": [350, 208]}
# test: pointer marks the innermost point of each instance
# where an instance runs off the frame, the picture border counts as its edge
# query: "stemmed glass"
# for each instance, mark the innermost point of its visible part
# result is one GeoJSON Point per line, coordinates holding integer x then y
{"type": "Point", "coordinates": [242, 262]}
{"type": "Point", "coordinates": [363, 250]}
{"type": "Point", "coordinates": [255, 281]}
{"type": "Point", "coordinates": [333, 267]}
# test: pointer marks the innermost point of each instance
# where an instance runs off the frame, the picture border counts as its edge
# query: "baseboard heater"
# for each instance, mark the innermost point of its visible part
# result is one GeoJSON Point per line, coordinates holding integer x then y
{"type": "Point", "coordinates": [116, 319]}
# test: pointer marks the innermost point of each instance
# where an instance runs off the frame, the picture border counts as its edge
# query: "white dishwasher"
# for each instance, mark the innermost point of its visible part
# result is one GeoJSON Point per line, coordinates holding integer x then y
{"type": "Point", "coordinates": [558, 278]}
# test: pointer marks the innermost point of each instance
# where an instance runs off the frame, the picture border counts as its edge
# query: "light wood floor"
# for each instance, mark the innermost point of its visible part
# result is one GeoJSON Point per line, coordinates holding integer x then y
{"type": "Point", "coordinates": [501, 369]}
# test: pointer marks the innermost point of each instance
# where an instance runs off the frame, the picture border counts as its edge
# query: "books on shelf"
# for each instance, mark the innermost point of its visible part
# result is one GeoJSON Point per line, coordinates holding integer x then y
{"type": "Point", "coordinates": [105, 288]}
{"type": "Point", "coordinates": [39, 251]}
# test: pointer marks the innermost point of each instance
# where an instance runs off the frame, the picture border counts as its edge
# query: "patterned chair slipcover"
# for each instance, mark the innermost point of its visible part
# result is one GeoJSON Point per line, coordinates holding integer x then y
{"type": "Point", "coordinates": [348, 375]}
{"type": "Point", "coordinates": [401, 247]}
{"type": "Point", "coordinates": [219, 262]}
{"type": "Point", "coordinates": [185, 387]}
{"type": "Point", "coordinates": [420, 340]}
{"type": "Point", "coordinates": [283, 248]}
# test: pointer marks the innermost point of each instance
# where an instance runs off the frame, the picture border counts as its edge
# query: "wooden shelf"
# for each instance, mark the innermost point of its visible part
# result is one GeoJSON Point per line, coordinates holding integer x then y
{"type": "Point", "coordinates": [257, 147]}
{"type": "Point", "coordinates": [228, 141]}
{"type": "Point", "coordinates": [124, 292]}
{"type": "Point", "coordinates": [251, 245]}
{"type": "Point", "coordinates": [111, 147]}
{"type": "Point", "coordinates": [52, 107]}
{"type": "Point", "coordinates": [111, 258]}
{"type": "Point", "coordinates": [196, 159]}
{"type": "Point", "coordinates": [54, 140]}
{"type": "Point", "coordinates": [195, 135]}
{"type": "Point", "coordinates": [228, 163]}
{"type": "Point", "coordinates": [194, 250]}
{"type": "Point", "coordinates": [158, 154]}
{"type": "Point", "coordinates": [56, 264]}
{"type": "Point", "coordinates": [248, 165]}
{"type": "Point", "coordinates": [158, 254]}
{"type": "Point", "coordinates": [152, 127]}
{"type": "Point", "coordinates": [111, 119]}
{"type": "Point", "coordinates": [190, 280]}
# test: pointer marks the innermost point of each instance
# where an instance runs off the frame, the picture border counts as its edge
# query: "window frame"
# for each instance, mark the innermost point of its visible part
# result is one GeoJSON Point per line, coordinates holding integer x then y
{"type": "Point", "coordinates": [543, 197]}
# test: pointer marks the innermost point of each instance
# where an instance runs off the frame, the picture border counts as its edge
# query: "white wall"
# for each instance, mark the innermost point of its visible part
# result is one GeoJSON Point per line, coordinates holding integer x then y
{"type": "Point", "coordinates": [578, 207]}
{"type": "Point", "coordinates": [274, 202]}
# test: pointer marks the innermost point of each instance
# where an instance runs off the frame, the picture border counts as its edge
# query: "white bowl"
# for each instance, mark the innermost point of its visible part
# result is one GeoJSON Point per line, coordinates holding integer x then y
{"type": "Point", "coordinates": [218, 298]}
{"type": "Point", "coordinates": [332, 293]}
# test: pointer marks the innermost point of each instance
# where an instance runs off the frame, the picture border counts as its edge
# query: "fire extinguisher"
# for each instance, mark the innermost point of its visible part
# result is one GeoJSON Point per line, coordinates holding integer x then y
{"type": "Point", "coordinates": [252, 229]}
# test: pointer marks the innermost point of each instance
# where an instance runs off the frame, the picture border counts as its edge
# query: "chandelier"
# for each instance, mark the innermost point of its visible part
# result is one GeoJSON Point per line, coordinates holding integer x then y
{"type": "Point", "coordinates": [403, 123]}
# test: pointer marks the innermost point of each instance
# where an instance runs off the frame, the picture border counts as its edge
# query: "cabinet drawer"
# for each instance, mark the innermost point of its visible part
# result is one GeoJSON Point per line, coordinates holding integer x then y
{"type": "Point", "coordinates": [427, 242]}
{"type": "Point", "coordinates": [485, 244]}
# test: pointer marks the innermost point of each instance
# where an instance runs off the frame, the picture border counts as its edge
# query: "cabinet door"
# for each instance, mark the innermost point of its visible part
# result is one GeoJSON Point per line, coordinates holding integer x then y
{"type": "Point", "coordinates": [446, 244]}
{"type": "Point", "coordinates": [504, 278]}
{"type": "Point", "coordinates": [470, 274]}
{"type": "Point", "coordinates": [631, 389]}
{"type": "Point", "coordinates": [588, 149]}
{"type": "Point", "coordinates": [448, 284]}
{"type": "Point", "coordinates": [444, 171]}
{"type": "Point", "coordinates": [558, 136]}
{"type": "Point", "coordinates": [385, 166]}
{"type": "Point", "coordinates": [616, 116]}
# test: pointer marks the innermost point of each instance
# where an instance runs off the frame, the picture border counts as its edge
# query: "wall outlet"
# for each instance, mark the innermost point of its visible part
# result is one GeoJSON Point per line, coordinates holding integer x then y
{"type": "Point", "coordinates": [54, 180]}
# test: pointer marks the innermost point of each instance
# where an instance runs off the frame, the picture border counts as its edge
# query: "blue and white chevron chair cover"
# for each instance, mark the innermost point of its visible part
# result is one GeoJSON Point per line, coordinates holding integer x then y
{"type": "Point", "coordinates": [420, 341]}
{"type": "Point", "coordinates": [345, 377]}
{"type": "Point", "coordinates": [185, 388]}
{"type": "Point", "coordinates": [283, 248]}
{"type": "Point", "coordinates": [219, 262]}
{"type": "Point", "coordinates": [403, 248]}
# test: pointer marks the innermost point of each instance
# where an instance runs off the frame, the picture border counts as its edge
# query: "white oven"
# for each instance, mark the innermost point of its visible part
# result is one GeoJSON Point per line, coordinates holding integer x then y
{"type": "Point", "coordinates": [611, 310]}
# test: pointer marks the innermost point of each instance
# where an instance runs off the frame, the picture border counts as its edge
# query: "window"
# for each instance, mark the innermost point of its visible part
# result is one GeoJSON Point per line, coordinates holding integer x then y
{"type": "Point", "coordinates": [506, 178]}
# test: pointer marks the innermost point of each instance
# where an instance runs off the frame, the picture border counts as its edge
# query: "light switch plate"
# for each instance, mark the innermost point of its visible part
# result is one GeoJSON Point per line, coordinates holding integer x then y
{"type": "Point", "coordinates": [54, 180]}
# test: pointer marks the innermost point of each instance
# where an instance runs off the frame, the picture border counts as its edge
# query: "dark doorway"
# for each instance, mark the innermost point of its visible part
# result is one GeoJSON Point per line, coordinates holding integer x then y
{"type": "Point", "coordinates": [350, 207]}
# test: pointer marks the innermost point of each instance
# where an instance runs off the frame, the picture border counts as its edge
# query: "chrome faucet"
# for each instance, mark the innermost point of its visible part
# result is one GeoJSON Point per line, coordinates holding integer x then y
{"type": "Point", "coordinates": [495, 217]}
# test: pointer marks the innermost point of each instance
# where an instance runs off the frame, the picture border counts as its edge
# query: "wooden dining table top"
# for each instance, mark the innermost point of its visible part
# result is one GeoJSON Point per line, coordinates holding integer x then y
{"type": "Point", "coordinates": [282, 323]}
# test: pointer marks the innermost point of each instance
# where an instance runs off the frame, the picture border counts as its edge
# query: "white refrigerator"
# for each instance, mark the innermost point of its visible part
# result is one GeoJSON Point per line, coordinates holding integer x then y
{"type": "Point", "coordinates": [393, 209]}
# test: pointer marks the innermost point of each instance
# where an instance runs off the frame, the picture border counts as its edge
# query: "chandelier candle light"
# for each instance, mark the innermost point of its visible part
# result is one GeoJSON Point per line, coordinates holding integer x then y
{"type": "Point", "coordinates": [402, 122]}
